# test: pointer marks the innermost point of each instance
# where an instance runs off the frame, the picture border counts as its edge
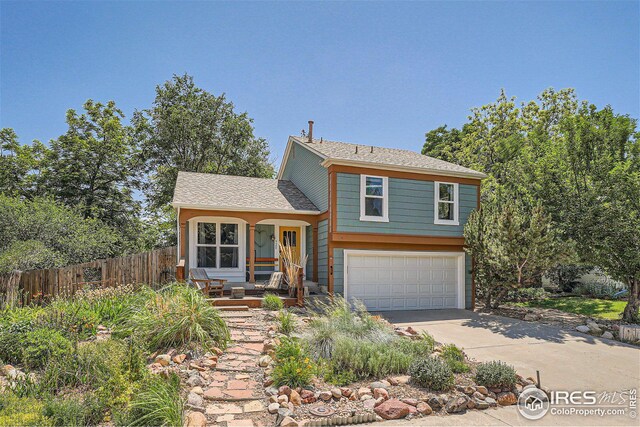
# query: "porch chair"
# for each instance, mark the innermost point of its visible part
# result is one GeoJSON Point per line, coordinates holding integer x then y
{"type": "Point", "coordinates": [199, 278]}
{"type": "Point", "coordinates": [273, 284]}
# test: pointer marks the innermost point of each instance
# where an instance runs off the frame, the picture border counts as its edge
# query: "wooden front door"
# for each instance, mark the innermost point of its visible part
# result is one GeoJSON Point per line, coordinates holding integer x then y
{"type": "Point", "coordinates": [291, 236]}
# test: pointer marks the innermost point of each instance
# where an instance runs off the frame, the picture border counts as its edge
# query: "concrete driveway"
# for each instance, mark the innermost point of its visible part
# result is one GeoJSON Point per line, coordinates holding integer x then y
{"type": "Point", "coordinates": [567, 360]}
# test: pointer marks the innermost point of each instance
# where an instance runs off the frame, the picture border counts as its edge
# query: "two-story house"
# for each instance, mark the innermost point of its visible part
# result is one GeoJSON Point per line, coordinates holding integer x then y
{"type": "Point", "coordinates": [381, 225]}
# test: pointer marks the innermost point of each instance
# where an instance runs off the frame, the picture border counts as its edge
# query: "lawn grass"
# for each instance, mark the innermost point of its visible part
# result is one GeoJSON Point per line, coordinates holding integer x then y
{"type": "Point", "coordinates": [594, 307]}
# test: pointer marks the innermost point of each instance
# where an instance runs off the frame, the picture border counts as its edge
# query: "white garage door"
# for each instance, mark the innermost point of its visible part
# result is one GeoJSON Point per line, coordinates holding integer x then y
{"type": "Point", "coordinates": [386, 281]}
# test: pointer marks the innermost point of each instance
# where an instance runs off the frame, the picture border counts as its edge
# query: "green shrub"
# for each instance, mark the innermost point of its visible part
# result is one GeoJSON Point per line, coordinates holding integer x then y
{"type": "Point", "coordinates": [366, 358]}
{"type": "Point", "coordinates": [11, 337]}
{"type": "Point", "coordinates": [73, 318]}
{"type": "Point", "coordinates": [177, 317]}
{"type": "Point", "coordinates": [454, 358]}
{"type": "Point", "coordinates": [293, 367]}
{"type": "Point", "coordinates": [289, 347]}
{"type": "Point", "coordinates": [21, 411]}
{"type": "Point", "coordinates": [338, 319]}
{"type": "Point", "coordinates": [272, 302]}
{"type": "Point", "coordinates": [495, 374]}
{"type": "Point", "coordinates": [294, 372]}
{"type": "Point", "coordinates": [286, 322]}
{"type": "Point", "coordinates": [334, 376]}
{"type": "Point", "coordinates": [72, 411]}
{"type": "Point", "coordinates": [41, 345]}
{"type": "Point", "coordinates": [432, 373]}
{"type": "Point", "coordinates": [157, 402]}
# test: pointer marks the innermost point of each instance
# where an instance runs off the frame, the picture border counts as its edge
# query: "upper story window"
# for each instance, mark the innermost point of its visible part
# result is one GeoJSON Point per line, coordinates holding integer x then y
{"type": "Point", "coordinates": [217, 245]}
{"type": "Point", "coordinates": [374, 198]}
{"type": "Point", "coordinates": [446, 203]}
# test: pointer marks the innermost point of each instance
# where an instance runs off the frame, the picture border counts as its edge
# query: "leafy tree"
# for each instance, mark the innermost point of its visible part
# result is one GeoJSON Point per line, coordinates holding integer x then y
{"type": "Point", "coordinates": [42, 233]}
{"type": "Point", "coordinates": [93, 166]}
{"type": "Point", "coordinates": [17, 162]}
{"type": "Point", "coordinates": [511, 249]}
{"type": "Point", "coordinates": [190, 129]}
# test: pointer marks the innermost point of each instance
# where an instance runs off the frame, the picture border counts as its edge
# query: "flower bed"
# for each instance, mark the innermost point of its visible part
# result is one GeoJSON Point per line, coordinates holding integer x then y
{"type": "Point", "coordinates": [344, 365]}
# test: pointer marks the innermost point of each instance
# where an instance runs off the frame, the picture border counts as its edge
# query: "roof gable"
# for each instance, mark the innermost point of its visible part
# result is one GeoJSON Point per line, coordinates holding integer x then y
{"type": "Point", "coordinates": [335, 152]}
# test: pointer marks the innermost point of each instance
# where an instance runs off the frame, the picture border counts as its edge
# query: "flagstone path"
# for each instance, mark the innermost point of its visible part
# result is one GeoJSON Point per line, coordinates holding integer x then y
{"type": "Point", "coordinates": [235, 394]}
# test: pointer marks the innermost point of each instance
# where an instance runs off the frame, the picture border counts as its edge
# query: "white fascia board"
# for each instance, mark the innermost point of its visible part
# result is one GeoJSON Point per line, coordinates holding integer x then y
{"type": "Point", "coordinates": [475, 175]}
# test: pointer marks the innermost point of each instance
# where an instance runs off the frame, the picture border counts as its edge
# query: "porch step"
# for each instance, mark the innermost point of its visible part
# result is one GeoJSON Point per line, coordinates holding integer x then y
{"type": "Point", "coordinates": [237, 315]}
{"type": "Point", "coordinates": [232, 307]}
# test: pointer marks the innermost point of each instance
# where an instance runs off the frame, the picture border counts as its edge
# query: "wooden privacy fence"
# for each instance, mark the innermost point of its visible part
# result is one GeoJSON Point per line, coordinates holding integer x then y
{"type": "Point", "coordinates": [152, 268]}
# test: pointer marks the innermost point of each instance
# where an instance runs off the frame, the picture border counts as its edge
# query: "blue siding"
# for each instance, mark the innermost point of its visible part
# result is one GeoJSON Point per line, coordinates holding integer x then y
{"type": "Point", "coordinates": [309, 247]}
{"type": "Point", "coordinates": [323, 260]}
{"type": "Point", "coordinates": [304, 170]}
{"type": "Point", "coordinates": [410, 208]}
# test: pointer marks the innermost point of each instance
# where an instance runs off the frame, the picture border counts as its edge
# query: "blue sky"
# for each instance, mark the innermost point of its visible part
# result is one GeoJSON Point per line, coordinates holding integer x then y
{"type": "Point", "coordinates": [373, 73]}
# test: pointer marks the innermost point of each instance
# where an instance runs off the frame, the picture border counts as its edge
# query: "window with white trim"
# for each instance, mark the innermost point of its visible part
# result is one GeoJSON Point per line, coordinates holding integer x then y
{"type": "Point", "coordinates": [217, 245]}
{"type": "Point", "coordinates": [446, 203]}
{"type": "Point", "coordinates": [374, 198]}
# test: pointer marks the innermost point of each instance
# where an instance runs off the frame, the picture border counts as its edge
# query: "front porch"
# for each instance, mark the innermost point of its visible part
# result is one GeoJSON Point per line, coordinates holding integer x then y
{"type": "Point", "coordinates": [253, 297]}
{"type": "Point", "coordinates": [242, 249]}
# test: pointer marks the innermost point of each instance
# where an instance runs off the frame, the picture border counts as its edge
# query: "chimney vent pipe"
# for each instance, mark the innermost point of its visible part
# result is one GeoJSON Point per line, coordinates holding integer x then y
{"type": "Point", "coordinates": [310, 131]}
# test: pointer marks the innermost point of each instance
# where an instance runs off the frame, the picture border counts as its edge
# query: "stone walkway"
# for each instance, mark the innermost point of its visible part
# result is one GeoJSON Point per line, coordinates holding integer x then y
{"type": "Point", "coordinates": [235, 394]}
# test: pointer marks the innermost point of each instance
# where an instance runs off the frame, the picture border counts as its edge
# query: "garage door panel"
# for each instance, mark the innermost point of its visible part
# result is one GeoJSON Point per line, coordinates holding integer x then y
{"type": "Point", "coordinates": [403, 282]}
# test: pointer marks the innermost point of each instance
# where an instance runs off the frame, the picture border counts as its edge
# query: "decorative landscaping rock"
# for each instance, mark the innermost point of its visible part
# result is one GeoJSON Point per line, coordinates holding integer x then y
{"type": "Point", "coordinates": [295, 398]}
{"type": "Point", "coordinates": [392, 409]}
{"type": "Point", "coordinates": [478, 395]}
{"type": "Point", "coordinates": [608, 335]}
{"type": "Point", "coordinates": [271, 391]}
{"type": "Point", "coordinates": [380, 393]}
{"type": "Point", "coordinates": [346, 392]}
{"type": "Point", "coordinates": [195, 380]}
{"type": "Point", "coordinates": [325, 395]}
{"type": "Point", "coordinates": [369, 404]}
{"type": "Point", "coordinates": [532, 317]}
{"type": "Point", "coordinates": [366, 397]}
{"type": "Point", "coordinates": [457, 404]}
{"type": "Point", "coordinates": [402, 379]}
{"type": "Point", "coordinates": [264, 361]}
{"type": "Point", "coordinates": [268, 382]}
{"type": "Point", "coordinates": [594, 328]}
{"type": "Point", "coordinates": [289, 422]}
{"type": "Point", "coordinates": [392, 381]}
{"type": "Point", "coordinates": [284, 389]}
{"type": "Point", "coordinates": [424, 408]}
{"type": "Point", "coordinates": [197, 390]}
{"type": "Point", "coordinates": [437, 402]}
{"type": "Point", "coordinates": [336, 393]}
{"type": "Point", "coordinates": [364, 390]}
{"type": "Point", "coordinates": [283, 399]}
{"type": "Point", "coordinates": [582, 328]}
{"type": "Point", "coordinates": [412, 402]}
{"type": "Point", "coordinates": [163, 359]}
{"type": "Point", "coordinates": [377, 384]}
{"type": "Point", "coordinates": [194, 399]}
{"type": "Point", "coordinates": [273, 408]}
{"type": "Point", "coordinates": [491, 401]}
{"type": "Point", "coordinates": [481, 404]}
{"type": "Point", "coordinates": [195, 419]}
{"type": "Point", "coordinates": [179, 358]}
{"type": "Point", "coordinates": [507, 399]}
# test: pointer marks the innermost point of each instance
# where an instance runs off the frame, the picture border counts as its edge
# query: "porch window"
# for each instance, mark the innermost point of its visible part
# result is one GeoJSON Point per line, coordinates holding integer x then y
{"type": "Point", "coordinates": [217, 245]}
{"type": "Point", "coordinates": [446, 203]}
{"type": "Point", "coordinates": [374, 205]}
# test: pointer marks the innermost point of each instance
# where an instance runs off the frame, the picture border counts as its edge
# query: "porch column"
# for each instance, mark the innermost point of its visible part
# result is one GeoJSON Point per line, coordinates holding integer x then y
{"type": "Point", "coordinates": [252, 253]}
{"type": "Point", "coordinates": [183, 239]}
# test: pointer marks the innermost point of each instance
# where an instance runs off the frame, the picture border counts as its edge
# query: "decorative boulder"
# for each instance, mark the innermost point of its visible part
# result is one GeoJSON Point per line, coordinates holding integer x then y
{"type": "Point", "coordinates": [507, 399]}
{"type": "Point", "coordinates": [608, 335]}
{"type": "Point", "coordinates": [424, 408]}
{"type": "Point", "coordinates": [583, 328]}
{"type": "Point", "coordinates": [392, 409]}
{"type": "Point", "coordinates": [295, 398]}
{"type": "Point", "coordinates": [457, 404]}
{"type": "Point", "coordinates": [195, 419]}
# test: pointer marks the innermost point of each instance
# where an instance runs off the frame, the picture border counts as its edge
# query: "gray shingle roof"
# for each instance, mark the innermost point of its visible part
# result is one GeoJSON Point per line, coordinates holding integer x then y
{"type": "Point", "coordinates": [229, 192]}
{"type": "Point", "coordinates": [385, 156]}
